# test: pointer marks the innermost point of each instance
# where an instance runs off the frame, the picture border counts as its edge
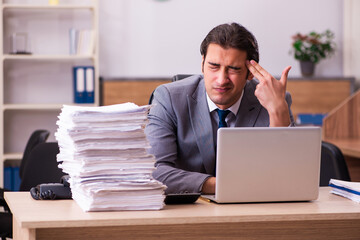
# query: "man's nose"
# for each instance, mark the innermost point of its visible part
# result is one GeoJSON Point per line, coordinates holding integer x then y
{"type": "Point", "coordinates": [223, 77]}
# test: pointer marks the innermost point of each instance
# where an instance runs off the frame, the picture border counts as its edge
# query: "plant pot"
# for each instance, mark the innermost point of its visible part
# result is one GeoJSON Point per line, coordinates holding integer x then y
{"type": "Point", "coordinates": [307, 68]}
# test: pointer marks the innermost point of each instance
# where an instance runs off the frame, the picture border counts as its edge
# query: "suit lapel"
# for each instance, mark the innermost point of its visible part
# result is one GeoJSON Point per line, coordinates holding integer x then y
{"type": "Point", "coordinates": [201, 124]}
{"type": "Point", "coordinates": [249, 108]}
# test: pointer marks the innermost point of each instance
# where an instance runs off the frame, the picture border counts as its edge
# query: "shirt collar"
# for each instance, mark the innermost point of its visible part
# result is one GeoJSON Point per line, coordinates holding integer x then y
{"type": "Point", "coordinates": [234, 108]}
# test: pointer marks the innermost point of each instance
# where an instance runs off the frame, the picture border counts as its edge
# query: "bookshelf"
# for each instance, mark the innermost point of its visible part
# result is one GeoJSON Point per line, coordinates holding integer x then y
{"type": "Point", "coordinates": [35, 86]}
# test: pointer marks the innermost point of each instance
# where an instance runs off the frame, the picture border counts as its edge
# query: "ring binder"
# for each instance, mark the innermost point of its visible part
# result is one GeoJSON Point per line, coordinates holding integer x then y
{"type": "Point", "coordinates": [84, 84]}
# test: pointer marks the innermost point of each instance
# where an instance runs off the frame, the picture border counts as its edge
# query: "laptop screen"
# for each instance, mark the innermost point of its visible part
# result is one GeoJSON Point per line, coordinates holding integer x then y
{"type": "Point", "coordinates": [268, 164]}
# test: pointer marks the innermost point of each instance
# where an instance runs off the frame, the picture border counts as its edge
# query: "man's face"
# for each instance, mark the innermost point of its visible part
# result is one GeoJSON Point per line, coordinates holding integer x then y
{"type": "Point", "coordinates": [225, 74]}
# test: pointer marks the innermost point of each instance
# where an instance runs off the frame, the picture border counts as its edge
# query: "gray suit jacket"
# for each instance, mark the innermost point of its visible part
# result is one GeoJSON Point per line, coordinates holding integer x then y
{"type": "Point", "coordinates": [181, 135]}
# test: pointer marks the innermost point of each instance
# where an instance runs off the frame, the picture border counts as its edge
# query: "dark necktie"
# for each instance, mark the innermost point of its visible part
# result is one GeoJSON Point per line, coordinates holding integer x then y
{"type": "Point", "coordinates": [222, 115]}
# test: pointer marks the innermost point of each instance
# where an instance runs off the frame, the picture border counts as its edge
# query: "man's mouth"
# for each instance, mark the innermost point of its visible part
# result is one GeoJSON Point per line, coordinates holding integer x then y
{"type": "Point", "coordinates": [221, 89]}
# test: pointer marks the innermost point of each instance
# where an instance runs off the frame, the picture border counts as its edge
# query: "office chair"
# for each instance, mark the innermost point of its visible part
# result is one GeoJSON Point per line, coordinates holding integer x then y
{"type": "Point", "coordinates": [180, 77]}
{"type": "Point", "coordinates": [173, 79]}
{"type": "Point", "coordinates": [333, 164]}
{"type": "Point", "coordinates": [5, 218]}
{"type": "Point", "coordinates": [41, 166]}
{"type": "Point", "coordinates": [37, 137]}
{"type": "Point", "coordinates": [5, 225]}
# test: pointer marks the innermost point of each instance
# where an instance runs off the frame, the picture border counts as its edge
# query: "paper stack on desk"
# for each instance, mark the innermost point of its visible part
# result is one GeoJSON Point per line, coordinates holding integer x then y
{"type": "Point", "coordinates": [346, 189]}
{"type": "Point", "coordinates": [103, 149]}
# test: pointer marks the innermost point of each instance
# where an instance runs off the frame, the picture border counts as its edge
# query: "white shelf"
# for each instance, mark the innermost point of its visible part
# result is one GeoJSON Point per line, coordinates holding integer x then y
{"type": "Point", "coordinates": [46, 7]}
{"type": "Point", "coordinates": [46, 57]}
{"type": "Point", "coordinates": [40, 106]}
{"type": "Point", "coordinates": [12, 156]}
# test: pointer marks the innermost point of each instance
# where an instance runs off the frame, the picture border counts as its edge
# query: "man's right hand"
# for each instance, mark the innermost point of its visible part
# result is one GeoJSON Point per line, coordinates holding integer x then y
{"type": "Point", "coordinates": [209, 186]}
{"type": "Point", "coordinates": [271, 94]}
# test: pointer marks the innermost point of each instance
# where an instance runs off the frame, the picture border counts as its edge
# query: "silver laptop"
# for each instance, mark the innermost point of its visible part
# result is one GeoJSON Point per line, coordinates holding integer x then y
{"type": "Point", "coordinates": [267, 164]}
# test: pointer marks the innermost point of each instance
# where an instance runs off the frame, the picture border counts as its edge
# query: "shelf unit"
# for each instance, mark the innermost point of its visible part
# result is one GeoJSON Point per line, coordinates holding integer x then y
{"type": "Point", "coordinates": [34, 87]}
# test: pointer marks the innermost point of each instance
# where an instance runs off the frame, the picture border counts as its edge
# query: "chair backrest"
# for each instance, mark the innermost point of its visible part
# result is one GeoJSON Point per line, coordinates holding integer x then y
{"type": "Point", "coordinates": [37, 137]}
{"type": "Point", "coordinates": [5, 225]}
{"type": "Point", "coordinates": [41, 166]}
{"type": "Point", "coordinates": [333, 164]}
{"type": "Point", "coordinates": [180, 76]}
{"type": "Point", "coordinates": [173, 79]}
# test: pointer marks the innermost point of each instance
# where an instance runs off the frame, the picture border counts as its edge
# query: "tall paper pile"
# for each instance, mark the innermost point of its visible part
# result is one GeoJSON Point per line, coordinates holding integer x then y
{"type": "Point", "coordinates": [103, 149]}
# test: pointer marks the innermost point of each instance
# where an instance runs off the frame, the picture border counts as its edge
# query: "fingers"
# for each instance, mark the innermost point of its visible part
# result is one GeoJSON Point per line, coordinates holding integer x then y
{"type": "Point", "coordinates": [257, 70]}
{"type": "Point", "coordinates": [260, 69]}
{"type": "Point", "coordinates": [253, 70]}
{"type": "Point", "coordinates": [261, 74]}
{"type": "Point", "coordinates": [284, 75]}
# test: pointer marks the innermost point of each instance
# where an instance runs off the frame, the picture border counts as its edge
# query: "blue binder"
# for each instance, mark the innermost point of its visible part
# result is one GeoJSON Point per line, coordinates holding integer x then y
{"type": "Point", "coordinates": [84, 84]}
{"type": "Point", "coordinates": [79, 84]}
{"type": "Point", "coordinates": [16, 179]}
{"type": "Point", "coordinates": [7, 178]}
{"type": "Point", "coordinates": [89, 84]}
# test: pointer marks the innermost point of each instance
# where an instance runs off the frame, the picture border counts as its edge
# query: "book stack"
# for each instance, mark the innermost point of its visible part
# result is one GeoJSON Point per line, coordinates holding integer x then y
{"type": "Point", "coordinates": [350, 190]}
{"type": "Point", "coordinates": [104, 151]}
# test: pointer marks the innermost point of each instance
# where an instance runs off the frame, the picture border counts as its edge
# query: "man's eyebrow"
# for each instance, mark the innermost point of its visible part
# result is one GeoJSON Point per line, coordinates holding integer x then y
{"type": "Point", "coordinates": [214, 64]}
{"type": "Point", "coordinates": [231, 67]}
{"type": "Point", "coordinates": [234, 68]}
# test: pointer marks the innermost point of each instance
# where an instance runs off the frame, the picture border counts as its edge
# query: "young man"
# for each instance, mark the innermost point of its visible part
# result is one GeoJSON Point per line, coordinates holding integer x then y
{"type": "Point", "coordinates": [185, 116]}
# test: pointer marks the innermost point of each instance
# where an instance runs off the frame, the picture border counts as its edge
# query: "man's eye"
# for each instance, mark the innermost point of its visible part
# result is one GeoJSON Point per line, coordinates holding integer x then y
{"type": "Point", "coordinates": [213, 67]}
{"type": "Point", "coordinates": [231, 70]}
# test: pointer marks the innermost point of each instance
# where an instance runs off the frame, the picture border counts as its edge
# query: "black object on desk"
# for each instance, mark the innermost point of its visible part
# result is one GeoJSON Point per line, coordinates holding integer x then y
{"type": "Point", "coordinates": [52, 191]}
{"type": "Point", "coordinates": [181, 198]}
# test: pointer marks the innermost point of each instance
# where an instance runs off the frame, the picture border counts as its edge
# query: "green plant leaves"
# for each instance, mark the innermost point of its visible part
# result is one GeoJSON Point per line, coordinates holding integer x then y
{"type": "Point", "coordinates": [314, 46]}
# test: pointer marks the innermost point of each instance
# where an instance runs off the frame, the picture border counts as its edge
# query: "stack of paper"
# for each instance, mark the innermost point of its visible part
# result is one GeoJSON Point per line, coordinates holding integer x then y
{"type": "Point", "coordinates": [103, 149]}
{"type": "Point", "coordinates": [346, 189]}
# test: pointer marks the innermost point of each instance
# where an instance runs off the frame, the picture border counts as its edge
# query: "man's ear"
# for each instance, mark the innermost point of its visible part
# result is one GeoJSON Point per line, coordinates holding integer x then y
{"type": "Point", "coordinates": [250, 76]}
{"type": "Point", "coordinates": [202, 64]}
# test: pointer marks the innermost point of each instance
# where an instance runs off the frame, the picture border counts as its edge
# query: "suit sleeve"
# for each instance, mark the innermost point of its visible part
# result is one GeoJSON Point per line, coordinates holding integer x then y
{"type": "Point", "coordinates": [162, 135]}
{"type": "Point", "coordinates": [289, 102]}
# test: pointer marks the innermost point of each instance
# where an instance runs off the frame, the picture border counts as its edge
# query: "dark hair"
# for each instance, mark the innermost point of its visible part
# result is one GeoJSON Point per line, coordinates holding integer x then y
{"type": "Point", "coordinates": [232, 36]}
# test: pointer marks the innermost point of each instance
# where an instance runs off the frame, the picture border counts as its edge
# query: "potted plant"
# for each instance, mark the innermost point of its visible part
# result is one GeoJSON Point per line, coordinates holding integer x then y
{"type": "Point", "coordinates": [311, 48]}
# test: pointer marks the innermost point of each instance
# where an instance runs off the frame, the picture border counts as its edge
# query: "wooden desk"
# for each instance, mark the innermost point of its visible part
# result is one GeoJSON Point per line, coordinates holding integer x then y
{"type": "Point", "coordinates": [330, 217]}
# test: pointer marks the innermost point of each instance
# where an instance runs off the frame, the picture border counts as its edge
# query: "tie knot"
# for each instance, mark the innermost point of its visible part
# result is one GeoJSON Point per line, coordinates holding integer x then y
{"type": "Point", "coordinates": [222, 115]}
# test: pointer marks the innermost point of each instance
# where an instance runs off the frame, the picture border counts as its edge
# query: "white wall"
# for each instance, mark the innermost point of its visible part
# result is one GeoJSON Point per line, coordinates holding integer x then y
{"type": "Point", "coordinates": [149, 38]}
{"type": "Point", "coordinates": [351, 60]}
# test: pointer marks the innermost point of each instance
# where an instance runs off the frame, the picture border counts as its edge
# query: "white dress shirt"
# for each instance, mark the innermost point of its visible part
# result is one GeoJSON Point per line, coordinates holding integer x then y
{"type": "Point", "coordinates": [230, 118]}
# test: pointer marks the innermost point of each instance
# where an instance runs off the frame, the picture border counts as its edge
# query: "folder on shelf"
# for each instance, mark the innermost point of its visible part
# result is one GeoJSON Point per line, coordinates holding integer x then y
{"type": "Point", "coordinates": [7, 178]}
{"type": "Point", "coordinates": [73, 33]}
{"type": "Point", "coordinates": [79, 84]}
{"type": "Point", "coordinates": [12, 178]}
{"type": "Point", "coordinates": [16, 178]}
{"type": "Point", "coordinates": [89, 76]}
{"type": "Point", "coordinates": [85, 42]}
{"type": "Point", "coordinates": [84, 84]}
